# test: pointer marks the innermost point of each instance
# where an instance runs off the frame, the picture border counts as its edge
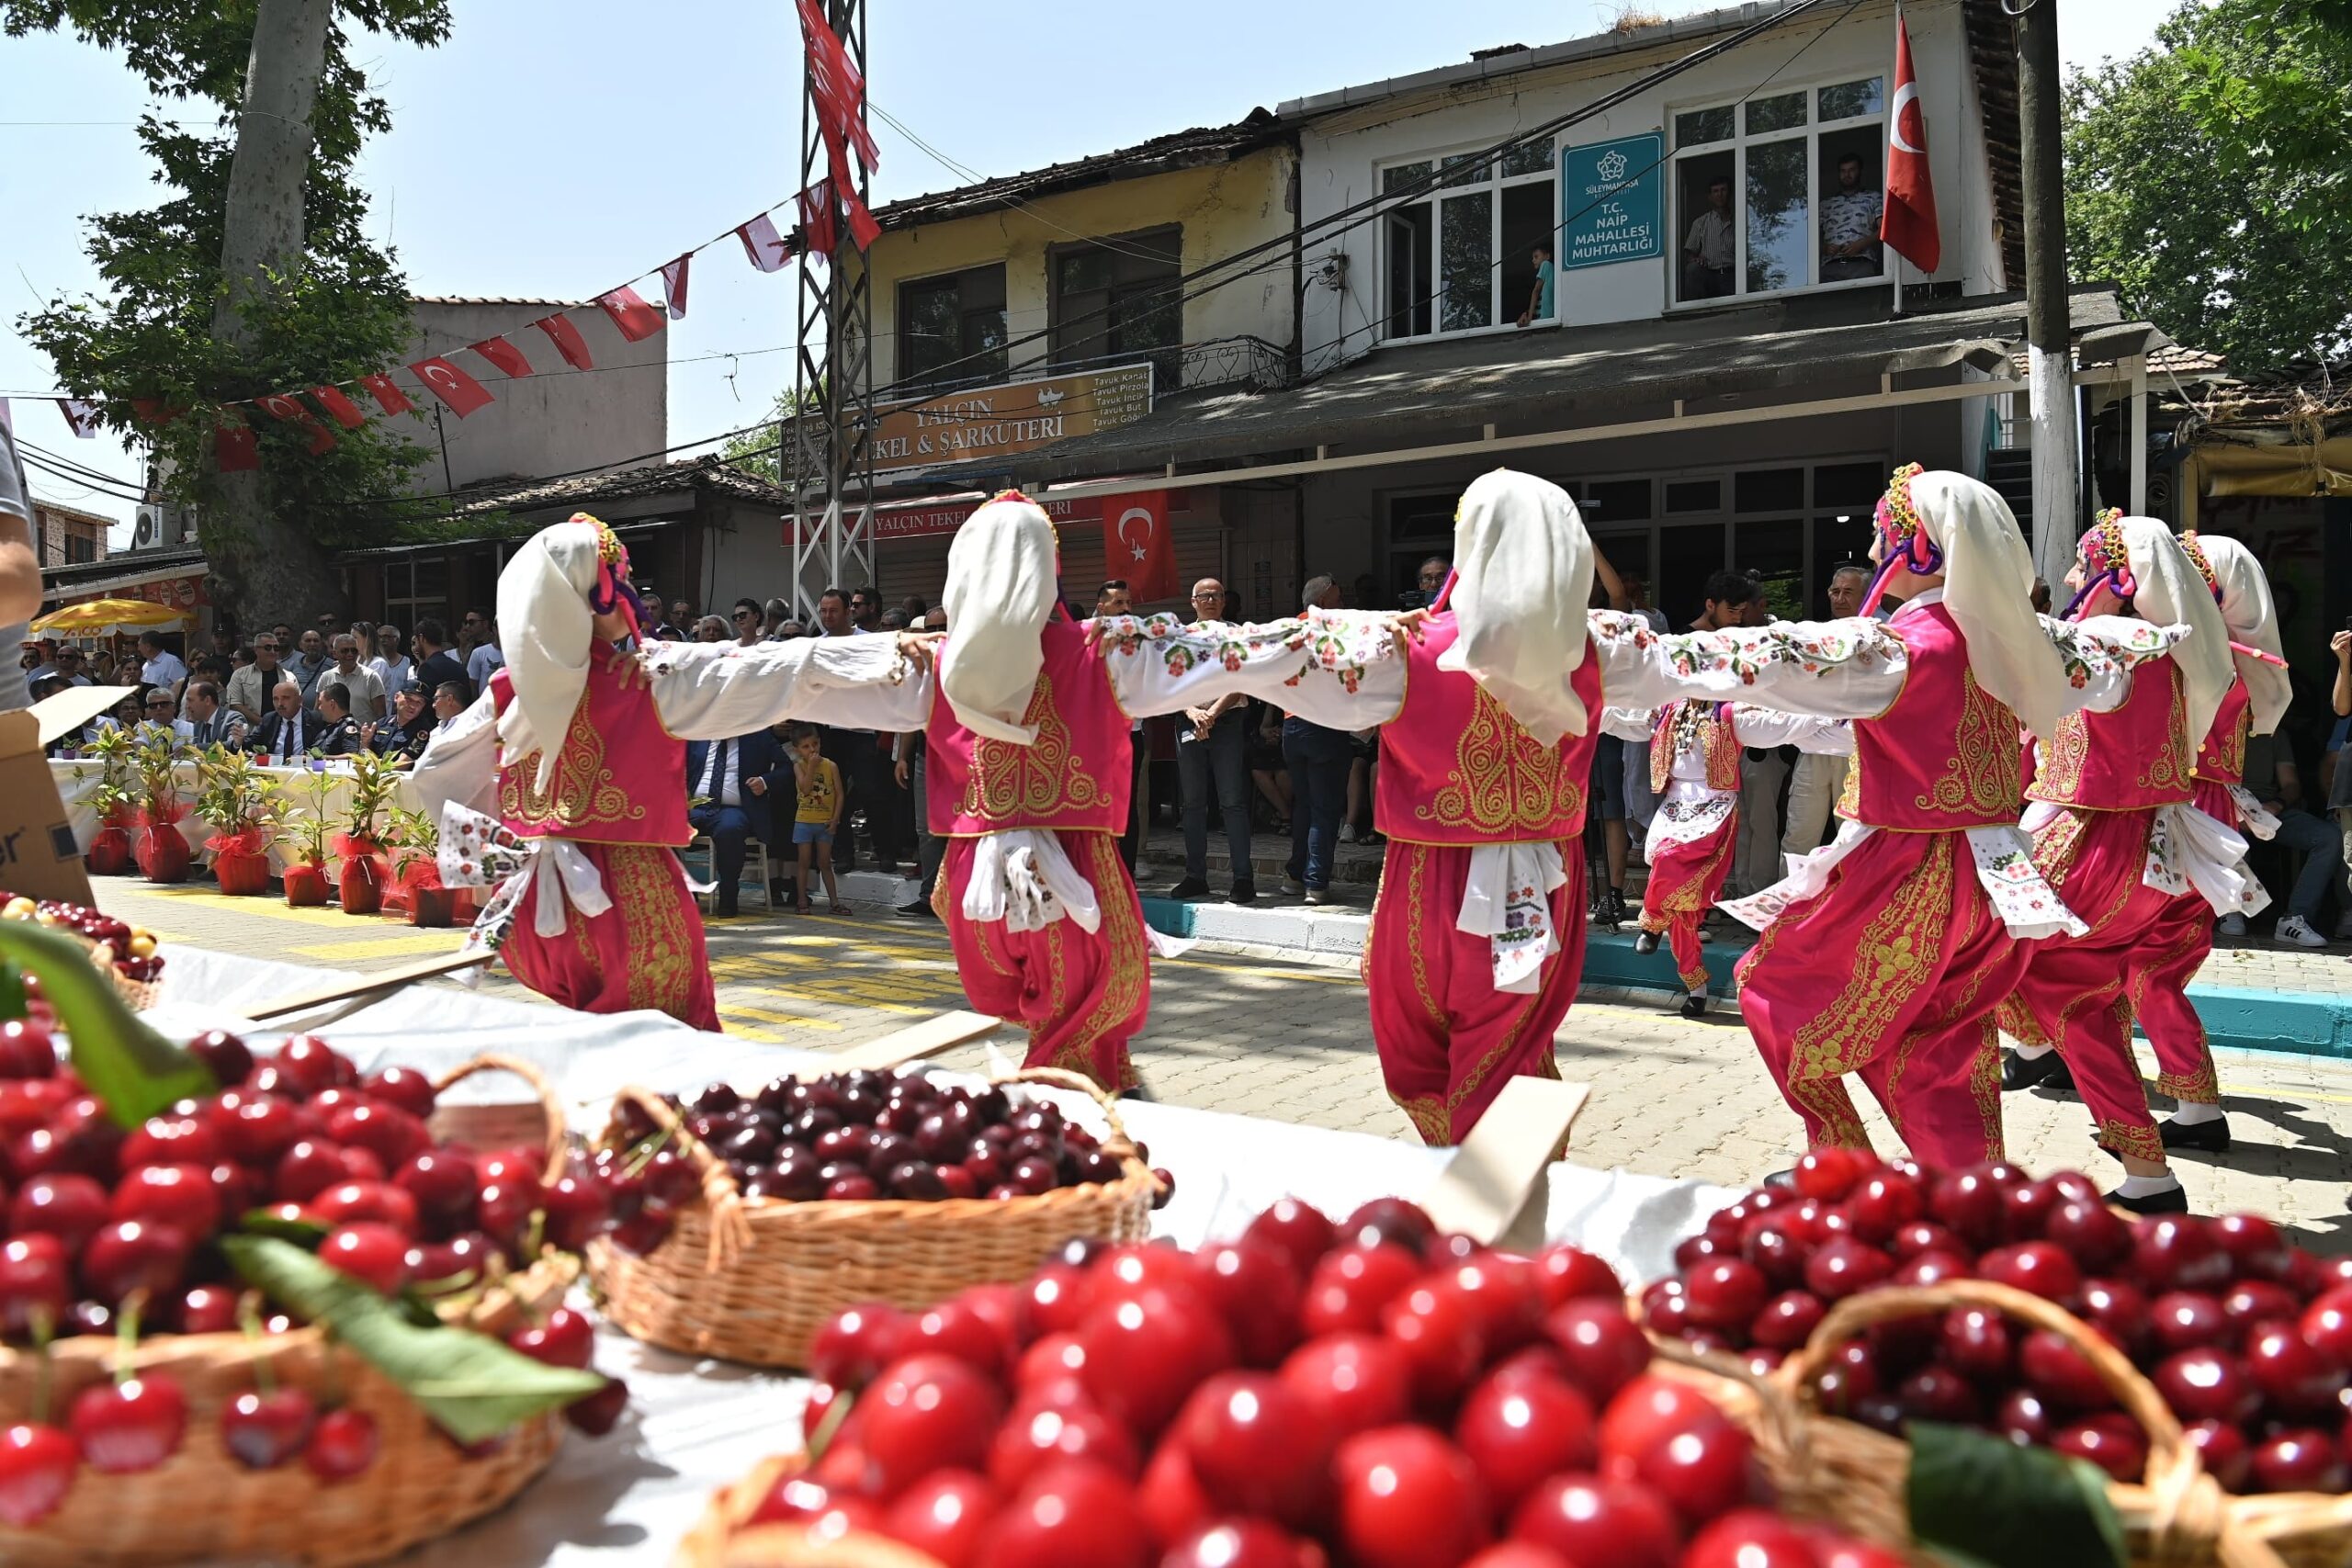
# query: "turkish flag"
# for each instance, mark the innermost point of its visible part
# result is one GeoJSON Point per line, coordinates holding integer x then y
{"type": "Point", "coordinates": [567, 340]}
{"type": "Point", "coordinates": [149, 410]}
{"type": "Point", "coordinates": [285, 406]}
{"type": "Point", "coordinates": [344, 411]}
{"type": "Point", "coordinates": [817, 223]}
{"type": "Point", "coordinates": [835, 83]}
{"type": "Point", "coordinates": [81, 416]}
{"type": "Point", "coordinates": [1907, 222]}
{"type": "Point", "coordinates": [1138, 545]}
{"type": "Point", "coordinates": [503, 355]}
{"type": "Point", "coordinates": [673, 285]}
{"type": "Point", "coordinates": [862, 226]}
{"type": "Point", "coordinates": [452, 385]}
{"type": "Point", "coordinates": [636, 319]}
{"type": "Point", "coordinates": [767, 249]}
{"type": "Point", "coordinates": [387, 396]}
{"type": "Point", "coordinates": [234, 450]}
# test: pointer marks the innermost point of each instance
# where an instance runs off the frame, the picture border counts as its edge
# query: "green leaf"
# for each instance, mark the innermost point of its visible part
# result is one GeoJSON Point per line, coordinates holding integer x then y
{"type": "Point", "coordinates": [12, 991]}
{"type": "Point", "coordinates": [131, 1067]}
{"type": "Point", "coordinates": [304, 1234]}
{"type": "Point", "coordinates": [1977, 1498]}
{"type": "Point", "coordinates": [473, 1386]}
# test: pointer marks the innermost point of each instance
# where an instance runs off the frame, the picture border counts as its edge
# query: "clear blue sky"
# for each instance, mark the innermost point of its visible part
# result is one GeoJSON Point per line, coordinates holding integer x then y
{"type": "Point", "coordinates": [552, 148]}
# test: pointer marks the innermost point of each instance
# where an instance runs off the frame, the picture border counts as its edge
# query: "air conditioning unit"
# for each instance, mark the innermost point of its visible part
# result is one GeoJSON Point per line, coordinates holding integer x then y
{"type": "Point", "coordinates": [147, 531]}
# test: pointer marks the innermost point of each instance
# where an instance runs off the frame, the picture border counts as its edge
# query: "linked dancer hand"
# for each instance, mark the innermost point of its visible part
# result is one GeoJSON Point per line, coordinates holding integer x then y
{"type": "Point", "coordinates": [2341, 645]}
{"type": "Point", "coordinates": [631, 666]}
{"type": "Point", "coordinates": [916, 648]}
{"type": "Point", "coordinates": [1404, 628]}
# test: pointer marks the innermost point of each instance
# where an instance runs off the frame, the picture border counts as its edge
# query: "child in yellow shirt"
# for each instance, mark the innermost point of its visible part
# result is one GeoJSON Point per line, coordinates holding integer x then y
{"type": "Point", "coordinates": [817, 782]}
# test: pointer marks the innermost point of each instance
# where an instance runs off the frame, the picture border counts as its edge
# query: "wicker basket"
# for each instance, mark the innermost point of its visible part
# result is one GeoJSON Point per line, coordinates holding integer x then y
{"type": "Point", "coordinates": [203, 1505]}
{"type": "Point", "coordinates": [1827, 1467]}
{"type": "Point", "coordinates": [753, 1279]}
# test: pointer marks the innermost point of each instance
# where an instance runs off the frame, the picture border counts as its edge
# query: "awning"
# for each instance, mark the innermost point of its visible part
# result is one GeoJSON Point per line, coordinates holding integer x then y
{"type": "Point", "coordinates": [107, 615]}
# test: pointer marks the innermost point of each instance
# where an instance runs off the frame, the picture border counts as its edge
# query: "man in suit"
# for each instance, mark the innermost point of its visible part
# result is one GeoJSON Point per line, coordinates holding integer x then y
{"type": "Point", "coordinates": [290, 730]}
{"type": "Point", "coordinates": [210, 721]}
{"type": "Point", "coordinates": [730, 783]}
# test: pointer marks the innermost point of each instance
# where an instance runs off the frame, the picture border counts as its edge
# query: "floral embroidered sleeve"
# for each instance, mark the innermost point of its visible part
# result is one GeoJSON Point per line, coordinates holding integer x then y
{"type": "Point", "coordinates": [1629, 724]}
{"type": "Point", "coordinates": [1762, 726]}
{"type": "Point", "coordinates": [1337, 668]}
{"type": "Point", "coordinates": [2100, 653]}
{"type": "Point", "coordinates": [1850, 669]}
{"type": "Point", "coordinates": [711, 690]}
{"type": "Point", "coordinates": [460, 762]}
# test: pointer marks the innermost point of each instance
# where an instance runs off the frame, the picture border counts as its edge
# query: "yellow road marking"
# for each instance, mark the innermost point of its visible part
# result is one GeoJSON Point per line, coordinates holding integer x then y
{"type": "Point", "coordinates": [736, 1009]}
{"type": "Point", "coordinates": [385, 946]}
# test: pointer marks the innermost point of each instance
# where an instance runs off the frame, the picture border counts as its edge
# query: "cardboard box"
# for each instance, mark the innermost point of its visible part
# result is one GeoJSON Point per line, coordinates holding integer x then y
{"type": "Point", "coordinates": [37, 855]}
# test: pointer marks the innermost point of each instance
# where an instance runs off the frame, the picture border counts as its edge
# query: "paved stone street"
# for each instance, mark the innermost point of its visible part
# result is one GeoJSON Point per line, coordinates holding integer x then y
{"type": "Point", "coordinates": [1290, 1041]}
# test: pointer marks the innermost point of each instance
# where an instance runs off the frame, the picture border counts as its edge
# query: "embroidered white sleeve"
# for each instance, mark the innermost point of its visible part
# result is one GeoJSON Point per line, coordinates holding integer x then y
{"type": "Point", "coordinates": [1337, 668]}
{"type": "Point", "coordinates": [461, 763]}
{"type": "Point", "coordinates": [1850, 669]}
{"type": "Point", "coordinates": [710, 690]}
{"type": "Point", "coordinates": [1629, 724]}
{"type": "Point", "coordinates": [1762, 726]}
{"type": "Point", "coordinates": [2100, 653]}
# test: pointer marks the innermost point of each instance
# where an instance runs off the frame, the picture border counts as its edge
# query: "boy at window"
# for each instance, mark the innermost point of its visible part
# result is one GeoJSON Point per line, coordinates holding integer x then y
{"type": "Point", "coordinates": [1539, 298]}
{"type": "Point", "coordinates": [1850, 221]}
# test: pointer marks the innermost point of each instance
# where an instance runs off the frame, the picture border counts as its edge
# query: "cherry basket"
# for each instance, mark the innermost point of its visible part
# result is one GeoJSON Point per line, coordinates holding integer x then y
{"type": "Point", "coordinates": [753, 1280]}
{"type": "Point", "coordinates": [204, 1506]}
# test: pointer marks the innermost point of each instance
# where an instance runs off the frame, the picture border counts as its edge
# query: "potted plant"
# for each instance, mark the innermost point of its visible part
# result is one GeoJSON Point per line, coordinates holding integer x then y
{"type": "Point", "coordinates": [416, 871]}
{"type": "Point", "coordinates": [239, 800]}
{"type": "Point", "coordinates": [360, 883]}
{"type": "Point", "coordinates": [301, 831]}
{"type": "Point", "coordinates": [163, 849]}
{"type": "Point", "coordinates": [114, 798]}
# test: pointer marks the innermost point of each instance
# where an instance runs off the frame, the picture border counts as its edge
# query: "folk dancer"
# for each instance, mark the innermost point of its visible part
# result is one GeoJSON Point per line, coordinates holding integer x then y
{"type": "Point", "coordinates": [559, 783]}
{"type": "Point", "coordinates": [1695, 751]}
{"type": "Point", "coordinates": [2115, 831]}
{"type": "Point", "coordinates": [1884, 954]}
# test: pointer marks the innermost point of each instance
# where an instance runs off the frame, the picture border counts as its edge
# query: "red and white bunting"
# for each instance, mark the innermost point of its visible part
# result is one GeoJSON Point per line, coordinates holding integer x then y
{"type": "Point", "coordinates": [341, 408]}
{"type": "Point", "coordinates": [816, 224]}
{"type": "Point", "coordinates": [285, 406]}
{"type": "Point", "coordinates": [234, 450]}
{"type": "Point", "coordinates": [567, 340]}
{"type": "Point", "coordinates": [836, 86]}
{"type": "Point", "coordinates": [81, 416]}
{"type": "Point", "coordinates": [767, 249]}
{"type": "Point", "coordinates": [388, 395]}
{"type": "Point", "coordinates": [673, 285]}
{"type": "Point", "coordinates": [503, 355]}
{"type": "Point", "coordinates": [636, 320]}
{"type": "Point", "coordinates": [862, 228]}
{"type": "Point", "coordinates": [451, 385]}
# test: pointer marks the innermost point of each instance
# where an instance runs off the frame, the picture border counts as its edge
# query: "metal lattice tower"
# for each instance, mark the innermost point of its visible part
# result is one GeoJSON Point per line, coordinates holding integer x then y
{"type": "Point", "coordinates": [828, 433]}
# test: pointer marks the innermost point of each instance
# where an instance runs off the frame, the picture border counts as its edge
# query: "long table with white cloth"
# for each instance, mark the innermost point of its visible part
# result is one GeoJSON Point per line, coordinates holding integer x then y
{"type": "Point", "coordinates": [694, 1425]}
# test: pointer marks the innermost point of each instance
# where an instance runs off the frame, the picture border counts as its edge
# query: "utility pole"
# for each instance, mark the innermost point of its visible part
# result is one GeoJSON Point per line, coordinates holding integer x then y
{"type": "Point", "coordinates": [2057, 486]}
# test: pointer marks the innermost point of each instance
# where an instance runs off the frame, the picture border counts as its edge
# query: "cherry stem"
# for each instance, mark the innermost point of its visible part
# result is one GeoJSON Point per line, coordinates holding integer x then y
{"type": "Point", "coordinates": [249, 1320]}
{"type": "Point", "coordinates": [125, 1337]}
{"type": "Point", "coordinates": [650, 1147]}
{"type": "Point", "coordinates": [45, 1375]}
{"type": "Point", "coordinates": [829, 1428]}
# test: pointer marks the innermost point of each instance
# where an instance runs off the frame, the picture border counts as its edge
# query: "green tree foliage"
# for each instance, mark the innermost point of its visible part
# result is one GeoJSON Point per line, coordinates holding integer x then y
{"type": "Point", "coordinates": [2210, 176]}
{"type": "Point", "coordinates": [148, 332]}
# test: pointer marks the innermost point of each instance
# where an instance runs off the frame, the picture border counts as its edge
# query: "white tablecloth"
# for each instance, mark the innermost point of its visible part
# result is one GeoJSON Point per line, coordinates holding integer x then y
{"type": "Point", "coordinates": [76, 779]}
{"type": "Point", "coordinates": [694, 1425]}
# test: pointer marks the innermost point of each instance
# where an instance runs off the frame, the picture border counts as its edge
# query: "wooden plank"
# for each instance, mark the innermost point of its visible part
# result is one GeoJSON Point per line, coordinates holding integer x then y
{"type": "Point", "coordinates": [1484, 1191]}
{"type": "Point", "coordinates": [928, 1038]}
{"type": "Point", "coordinates": [370, 984]}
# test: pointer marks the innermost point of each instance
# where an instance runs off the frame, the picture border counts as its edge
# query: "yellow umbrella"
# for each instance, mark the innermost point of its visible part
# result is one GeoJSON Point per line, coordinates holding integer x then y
{"type": "Point", "coordinates": [103, 615]}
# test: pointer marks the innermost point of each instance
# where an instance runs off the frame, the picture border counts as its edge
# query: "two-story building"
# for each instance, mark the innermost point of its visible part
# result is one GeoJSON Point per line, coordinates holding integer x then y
{"type": "Point", "coordinates": [1720, 368]}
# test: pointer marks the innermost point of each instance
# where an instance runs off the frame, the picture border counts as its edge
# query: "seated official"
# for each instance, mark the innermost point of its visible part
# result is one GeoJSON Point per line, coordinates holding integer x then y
{"type": "Point", "coordinates": [402, 738]}
{"type": "Point", "coordinates": [210, 721]}
{"type": "Point", "coordinates": [288, 731]}
{"type": "Point", "coordinates": [729, 783]}
{"type": "Point", "coordinates": [341, 731]}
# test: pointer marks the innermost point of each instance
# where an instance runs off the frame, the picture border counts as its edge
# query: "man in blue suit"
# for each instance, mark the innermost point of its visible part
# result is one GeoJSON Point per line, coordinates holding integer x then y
{"type": "Point", "coordinates": [731, 783]}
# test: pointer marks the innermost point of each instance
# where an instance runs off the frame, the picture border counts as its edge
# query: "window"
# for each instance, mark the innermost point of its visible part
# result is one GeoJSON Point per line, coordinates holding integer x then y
{"type": "Point", "coordinates": [1779, 192]}
{"type": "Point", "coordinates": [950, 327]}
{"type": "Point", "coordinates": [1120, 299]}
{"type": "Point", "coordinates": [415, 588]}
{"type": "Point", "coordinates": [80, 547]}
{"type": "Point", "coordinates": [1461, 258]}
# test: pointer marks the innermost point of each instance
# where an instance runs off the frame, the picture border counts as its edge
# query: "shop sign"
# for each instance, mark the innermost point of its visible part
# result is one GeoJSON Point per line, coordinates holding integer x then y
{"type": "Point", "coordinates": [183, 593]}
{"type": "Point", "coordinates": [1019, 416]}
{"type": "Point", "coordinates": [1614, 196]}
{"type": "Point", "coordinates": [930, 521]}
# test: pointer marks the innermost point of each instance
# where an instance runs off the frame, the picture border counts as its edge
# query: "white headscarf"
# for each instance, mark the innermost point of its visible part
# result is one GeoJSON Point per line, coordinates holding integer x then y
{"type": "Point", "coordinates": [549, 636]}
{"type": "Point", "coordinates": [1988, 591]}
{"type": "Point", "coordinates": [2253, 619]}
{"type": "Point", "coordinates": [1522, 574]}
{"type": "Point", "coordinates": [999, 594]}
{"type": "Point", "coordinates": [2169, 588]}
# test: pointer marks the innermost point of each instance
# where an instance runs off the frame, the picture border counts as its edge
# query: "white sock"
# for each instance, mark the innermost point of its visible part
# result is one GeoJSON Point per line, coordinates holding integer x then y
{"type": "Point", "coordinates": [2142, 1186]}
{"type": "Point", "coordinates": [2033, 1052]}
{"type": "Point", "coordinates": [2193, 1114]}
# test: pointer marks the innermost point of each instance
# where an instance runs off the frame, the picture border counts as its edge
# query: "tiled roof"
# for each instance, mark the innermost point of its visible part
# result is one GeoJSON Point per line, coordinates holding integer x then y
{"type": "Point", "coordinates": [706, 473]}
{"type": "Point", "coordinates": [1178, 150]}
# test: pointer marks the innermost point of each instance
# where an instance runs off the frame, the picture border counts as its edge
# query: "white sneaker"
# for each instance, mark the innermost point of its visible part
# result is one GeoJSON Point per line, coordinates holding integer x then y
{"type": "Point", "coordinates": [2294, 928]}
{"type": "Point", "coordinates": [1347, 832]}
{"type": "Point", "coordinates": [2230, 925]}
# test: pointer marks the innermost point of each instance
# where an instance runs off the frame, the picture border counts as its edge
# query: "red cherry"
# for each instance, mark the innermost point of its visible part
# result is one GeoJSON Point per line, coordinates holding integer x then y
{"type": "Point", "coordinates": [943, 1516]}
{"type": "Point", "coordinates": [597, 1413]}
{"type": "Point", "coordinates": [2060, 1373]}
{"type": "Point", "coordinates": [342, 1445]}
{"type": "Point", "coordinates": [37, 1468]}
{"type": "Point", "coordinates": [205, 1309]}
{"type": "Point", "coordinates": [1516, 1432]}
{"type": "Point", "coordinates": [375, 1255]}
{"type": "Point", "coordinates": [2026, 1207]}
{"type": "Point", "coordinates": [1257, 1446]}
{"type": "Point", "coordinates": [1258, 1291]}
{"type": "Point", "coordinates": [265, 1430]}
{"type": "Point", "coordinates": [2185, 1319]}
{"type": "Point", "coordinates": [1787, 1320]}
{"type": "Point", "coordinates": [307, 1167]}
{"type": "Point", "coordinates": [2256, 1247]}
{"type": "Point", "coordinates": [69, 1207]}
{"type": "Point", "coordinates": [2250, 1303]}
{"type": "Point", "coordinates": [1666, 1308]}
{"type": "Point", "coordinates": [1971, 1203]}
{"type": "Point", "coordinates": [1170, 1498]}
{"type": "Point", "coordinates": [1052, 1362]}
{"type": "Point", "coordinates": [1926, 1235]}
{"type": "Point", "coordinates": [403, 1086]}
{"type": "Point", "coordinates": [1724, 1293]}
{"type": "Point", "coordinates": [1351, 1285]}
{"type": "Point", "coordinates": [1297, 1230]}
{"type": "Point", "coordinates": [310, 1062]}
{"type": "Point", "coordinates": [379, 1202]}
{"type": "Point", "coordinates": [1145, 1355]}
{"type": "Point", "coordinates": [1037, 1434]}
{"type": "Point", "coordinates": [1076, 1514]}
{"type": "Point", "coordinates": [1440, 1333]}
{"type": "Point", "coordinates": [1389, 1220]}
{"type": "Point", "coordinates": [36, 1282]}
{"type": "Point", "coordinates": [263, 1128]}
{"type": "Point", "coordinates": [1056, 1298]}
{"type": "Point", "coordinates": [925, 1413]}
{"type": "Point", "coordinates": [134, 1255]}
{"type": "Point", "coordinates": [578, 1207]}
{"type": "Point", "coordinates": [1929, 1268]}
{"type": "Point", "coordinates": [172, 1139]}
{"type": "Point", "coordinates": [1830, 1550]}
{"type": "Point", "coordinates": [2109, 1441]}
{"type": "Point", "coordinates": [2299, 1459]}
{"type": "Point", "coordinates": [1880, 1205]}
{"type": "Point", "coordinates": [566, 1338]}
{"type": "Point", "coordinates": [1240, 1543]}
{"type": "Point", "coordinates": [1564, 1274]}
{"type": "Point", "coordinates": [2293, 1375]}
{"type": "Point", "coordinates": [2224, 1451]}
{"type": "Point", "coordinates": [1406, 1498]}
{"type": "Point", "coordinates": [2037, 1267]}
{"type": "Point", "coordinates": [2023, 1418]}
{"type": "Point", "coordinates": [1504, 1296]}
{"type": "Point", "coordinates": [1843, 1265]}
{"type": "Point", "coordinates": [180, 1197]}
{"type": "Point", "coordinates": [1123, 1273]}
{"type": "Point", "coordinates": [1357, 1380]}
{"type": "Point", "coordinates": [2204, 1384]}
{"type": "Point", "coordinates": [1702, 1472]}
{"type": "Point", "coordinates": [1587, 1520]}
{"type": "Point", "coordinates": [1750, 1537]}
{"type": "Point", "coordinates": [2178, 1252]}
{"type": "Point", "coordinates": [1830, 1172]}
{"type": "Point", "coordinates": [26, 1049]}
{"type": "Point", "coordinates": [2117, 1310]}
{"type": "Point", "coordinates": [1646, 1413]}
{"type": "Point", "coordinates": [1978, 1343]}
{"type": "Point", "coordinates": [953, 1328]}
{"type": "Point", "coordinates": [856, 1343]}
{"type": "Point", "coordinates": [125, 1428]}
{"type": "Point", "coordinates": [1603, 1348]}
{"type": "Point", "coordinates": [2327, 1324]}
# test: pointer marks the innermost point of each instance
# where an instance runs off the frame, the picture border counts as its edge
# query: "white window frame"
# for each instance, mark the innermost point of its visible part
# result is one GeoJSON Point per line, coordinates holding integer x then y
{"type": "Point", "coordinates": [1738, 144]}
{"type": "Point", "coordinates": [1494, 182]}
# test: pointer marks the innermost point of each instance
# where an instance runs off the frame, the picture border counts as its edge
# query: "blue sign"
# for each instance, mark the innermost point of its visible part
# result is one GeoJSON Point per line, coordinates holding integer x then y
{"type": "Point", "coordinates": [1613, 205]}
